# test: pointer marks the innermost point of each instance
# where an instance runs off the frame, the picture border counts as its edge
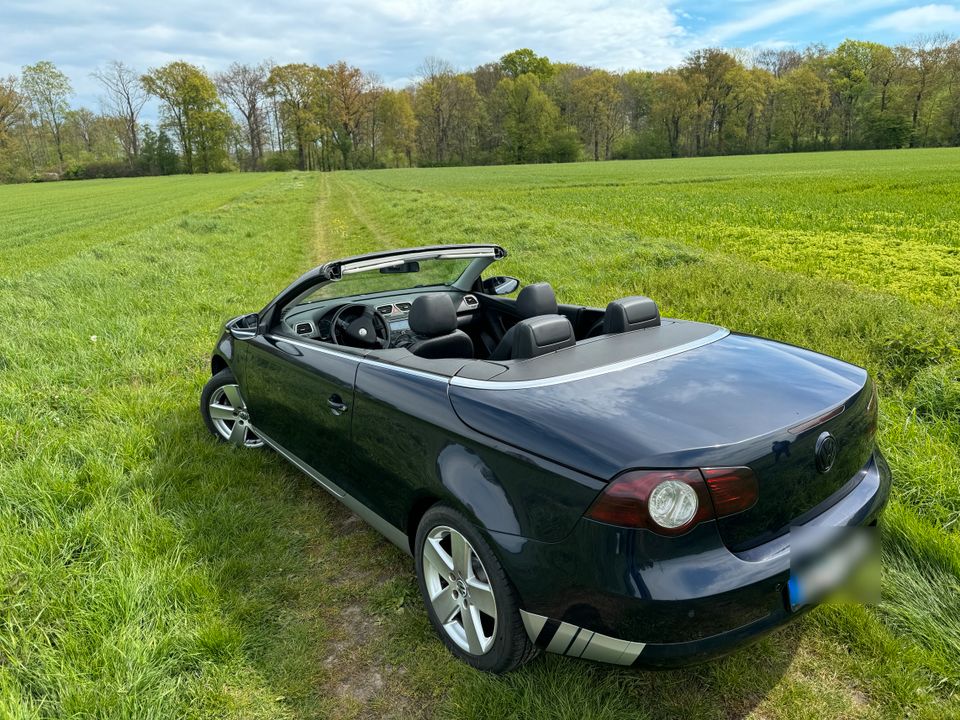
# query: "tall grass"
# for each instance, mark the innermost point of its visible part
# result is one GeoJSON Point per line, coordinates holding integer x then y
{"type": "Point", "coordinates": [146, 571]}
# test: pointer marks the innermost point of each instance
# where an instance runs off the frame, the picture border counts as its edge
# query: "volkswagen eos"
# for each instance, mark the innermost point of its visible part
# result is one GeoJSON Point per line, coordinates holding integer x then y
{"type": "Point", "coordinates": [602, 483]}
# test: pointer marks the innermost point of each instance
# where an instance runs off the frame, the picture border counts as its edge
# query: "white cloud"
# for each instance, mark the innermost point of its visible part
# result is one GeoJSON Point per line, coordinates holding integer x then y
{"type": "Point", "coordinates": [393, 36]}
{"type": "Point", "coordinates": [762, 18]}
{"type": "Point", "coordinates": [926, 18]}
{"type": "Point", "coordinates": [388, 37]}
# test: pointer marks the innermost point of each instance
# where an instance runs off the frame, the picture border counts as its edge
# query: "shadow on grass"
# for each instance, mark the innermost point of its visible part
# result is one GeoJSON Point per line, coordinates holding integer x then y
{"type": "Point", "coordinates": [324, 617]}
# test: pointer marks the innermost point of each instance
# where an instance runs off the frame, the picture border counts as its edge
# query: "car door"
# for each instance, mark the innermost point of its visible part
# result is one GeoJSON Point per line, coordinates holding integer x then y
{"type": "Point", "coordinates": [300, 396]}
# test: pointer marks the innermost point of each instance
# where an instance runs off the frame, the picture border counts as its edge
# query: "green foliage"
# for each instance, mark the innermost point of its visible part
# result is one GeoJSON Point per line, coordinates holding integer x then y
{"type": "Point", "coordinates": [527, 118]}
{"type": "Point", "coordinates": [563, 145]}
{"type": "Point", "coordinates": [48, 91]}
{"type": "Point", "coordinates": [525, 61]}
{"type": "Point", "coordinates": [298, 90]}
{"type": "Point", "coordinates": [158, 156]}
{"type": "Point", "coordinates": [94, 170]}
{"type": "Point", "coordinates": [447, 108]}
{"type": "Point", "coordinates": [888, 131]}
{"type": "Point", "coordinates": [597, 112]}
{"type": "Point", "coordinates": [278, 161]}
{"type": "Point", "coordinates": [194, 111]}
{"type": "Point", "coordinates": [399, 140]}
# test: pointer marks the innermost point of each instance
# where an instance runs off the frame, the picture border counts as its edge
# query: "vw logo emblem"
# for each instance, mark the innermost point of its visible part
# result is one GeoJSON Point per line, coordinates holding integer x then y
{"type": "Point", "coordinates": [826, 452]}
{"type": "Point", "coordinates": [362, 332]}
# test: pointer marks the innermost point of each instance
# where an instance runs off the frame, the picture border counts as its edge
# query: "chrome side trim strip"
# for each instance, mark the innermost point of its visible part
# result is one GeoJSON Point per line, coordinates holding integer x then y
{"type": "Point", "coordinates": [391, 533]}
{"type": "Point", "coordinates": [592, 372]}
{"type": "Point", "coordinates": [575, 641]}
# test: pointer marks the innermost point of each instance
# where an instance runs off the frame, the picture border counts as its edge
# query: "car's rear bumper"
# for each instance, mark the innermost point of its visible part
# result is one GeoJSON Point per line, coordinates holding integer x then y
{"type": "Point", "coordinates": [631, 597]}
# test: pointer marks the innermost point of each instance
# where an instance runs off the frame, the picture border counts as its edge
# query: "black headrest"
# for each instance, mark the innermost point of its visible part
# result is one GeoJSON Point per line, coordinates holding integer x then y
{"type": "Point", "coordinates": [536, 299]}
{"type": "Point", "coordinates": [630, 313]}
{"type": "Point", "coordinates": [433, 315]}
{"type": "Point", "coordinates": [541, 335]}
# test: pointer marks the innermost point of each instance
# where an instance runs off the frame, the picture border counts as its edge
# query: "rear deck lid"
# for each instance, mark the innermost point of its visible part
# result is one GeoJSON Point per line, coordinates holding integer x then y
{"type": "Point", "coordinates": [734, 401]}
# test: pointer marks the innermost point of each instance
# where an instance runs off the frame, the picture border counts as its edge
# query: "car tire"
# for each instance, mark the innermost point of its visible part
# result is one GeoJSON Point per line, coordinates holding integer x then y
{"type": "Point", "coordinates": [477, 593]}
{"type": "Point", "coordinates": [224, 411]}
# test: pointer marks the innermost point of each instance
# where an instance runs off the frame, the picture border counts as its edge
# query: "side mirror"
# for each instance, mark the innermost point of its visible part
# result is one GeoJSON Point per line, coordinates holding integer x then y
{"type": "Point", "coordinates": [245, 327]}
{"type": "Point", "coordinates": [500, 285]}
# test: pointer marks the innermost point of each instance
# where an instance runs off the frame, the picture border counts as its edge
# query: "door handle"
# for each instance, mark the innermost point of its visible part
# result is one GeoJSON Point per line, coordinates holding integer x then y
{"type": "Point", "coordinates": [336, 404]}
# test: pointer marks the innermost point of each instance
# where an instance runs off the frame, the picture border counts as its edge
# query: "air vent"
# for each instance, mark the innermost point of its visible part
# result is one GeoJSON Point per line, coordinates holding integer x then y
{"type": "Point", "coordinates": [403, 307]}
{"type": "Point", "coordinates": [385, 309]}
{"type": "Point", "coordinates": [470, 300]}
{"type": "Point", "coordinates": [304, 328]}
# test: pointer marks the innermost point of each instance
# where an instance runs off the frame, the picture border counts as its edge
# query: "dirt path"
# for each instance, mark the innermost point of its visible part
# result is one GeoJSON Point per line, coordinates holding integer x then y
{"type": "Point", "coordinates": [384, 239]}
{"type": "Point", "coordinates": [319, 244]}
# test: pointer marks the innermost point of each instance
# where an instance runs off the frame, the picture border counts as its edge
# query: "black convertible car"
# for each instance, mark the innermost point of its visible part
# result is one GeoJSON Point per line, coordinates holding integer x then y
{"type": "Point", "coordinates": [602, 483]}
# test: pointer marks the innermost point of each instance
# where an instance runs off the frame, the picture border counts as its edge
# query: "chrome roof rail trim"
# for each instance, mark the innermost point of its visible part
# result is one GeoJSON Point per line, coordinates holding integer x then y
{"type": "Point", "coordinates": [514, 384]}
{"type": "Point", "coordinates": [359, 358]}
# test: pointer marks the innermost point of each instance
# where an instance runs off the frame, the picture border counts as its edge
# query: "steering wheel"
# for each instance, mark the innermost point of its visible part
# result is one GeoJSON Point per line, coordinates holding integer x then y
{"type": "Point", "coordinates": [359, 325]}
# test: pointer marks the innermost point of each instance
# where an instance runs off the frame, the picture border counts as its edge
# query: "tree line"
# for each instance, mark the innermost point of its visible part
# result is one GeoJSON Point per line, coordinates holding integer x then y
{"type": "Point", "coordinates": [522, 108]}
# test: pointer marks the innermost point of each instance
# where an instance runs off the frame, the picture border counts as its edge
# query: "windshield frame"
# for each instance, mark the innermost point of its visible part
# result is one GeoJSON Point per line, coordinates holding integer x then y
{"type": "Point", "coordinates": [402, 286]}
{"type": "Point", "coordinates": [482, 255]}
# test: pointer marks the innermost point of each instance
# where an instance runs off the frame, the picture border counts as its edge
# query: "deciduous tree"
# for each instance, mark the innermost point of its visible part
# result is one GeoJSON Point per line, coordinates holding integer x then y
{"type": "Point", "coordinates": [298, 90]}
{"type": "Point", "coordinates": [48, 90]}
{"type": "Point", "coordinates": [244, 86]}
{"type": "Point", "coordinates": [350, 103]}
{"type": "Point", "coordinates": [526, 62]}
{"type": "Point", "coordinates": [526, 116]}
{"type": "Point", "coordinates": [447, 108]}
{"type": "Point", "coordinates": [193, 108]}
{"type": "Point", "coordinates": [598, 111]}
{"type": "Point", "coordinates": [124, 99]}
{"type": "Point", "coordinates": [803, 94]}
{"type": "Point", "coordinates": [399, 127]}
{"type": "Point", "coordinates": [673, 104]}
{"type": "Point", "coordinates": [11, 106]}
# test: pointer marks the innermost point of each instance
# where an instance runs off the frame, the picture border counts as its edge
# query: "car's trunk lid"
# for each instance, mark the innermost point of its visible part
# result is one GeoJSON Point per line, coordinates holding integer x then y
{"type": "Point", "coordinates": [736, 401]}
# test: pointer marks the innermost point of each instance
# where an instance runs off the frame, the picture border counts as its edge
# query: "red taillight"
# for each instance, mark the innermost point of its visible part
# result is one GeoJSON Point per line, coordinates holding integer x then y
{"type": "Point", "coordinates": [733, 489]}
{"type": "Point", "coordinates": [625, 501]}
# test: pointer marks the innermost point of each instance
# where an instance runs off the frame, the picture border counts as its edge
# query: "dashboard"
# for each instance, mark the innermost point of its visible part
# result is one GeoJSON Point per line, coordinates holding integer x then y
{"type": "Point", "coordinates": [315, 321]}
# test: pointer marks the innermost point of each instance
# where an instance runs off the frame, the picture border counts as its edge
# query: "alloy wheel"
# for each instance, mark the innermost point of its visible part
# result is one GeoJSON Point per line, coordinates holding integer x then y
{"type": "Point", "coordinates": [460, 590]}
{"type": "Point", "coordinates": [228, 413]}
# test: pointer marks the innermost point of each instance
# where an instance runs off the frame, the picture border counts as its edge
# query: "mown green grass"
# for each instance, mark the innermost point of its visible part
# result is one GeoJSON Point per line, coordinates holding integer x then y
{"type": "Point", "coordinates": [146, 571]}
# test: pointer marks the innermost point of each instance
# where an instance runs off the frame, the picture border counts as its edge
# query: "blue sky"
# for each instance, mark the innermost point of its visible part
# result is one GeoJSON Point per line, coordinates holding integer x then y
{"type": "Point", "coordinates": [392, 37]}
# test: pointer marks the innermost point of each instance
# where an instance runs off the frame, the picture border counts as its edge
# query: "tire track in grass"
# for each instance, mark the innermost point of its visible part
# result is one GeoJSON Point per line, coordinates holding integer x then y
{"type": "Point", "coordinates": [318, 245]}
{"type": "Point", "coordinates": [381, 238]}
{"type": "Point", "coordinates": [362, 578]}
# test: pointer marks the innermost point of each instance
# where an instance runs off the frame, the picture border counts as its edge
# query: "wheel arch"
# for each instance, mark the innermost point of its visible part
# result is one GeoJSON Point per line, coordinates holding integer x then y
{"type": "Point", "coordinates": [418, 509]}
{"type": "Point", "coordinates": [423, 502]}
{"type": "Point", "coordinates": [218, 364]}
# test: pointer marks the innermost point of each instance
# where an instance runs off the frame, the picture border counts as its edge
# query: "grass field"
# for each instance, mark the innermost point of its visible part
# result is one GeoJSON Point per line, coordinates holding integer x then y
{"type": "Point", "coordinates": [148, 572]}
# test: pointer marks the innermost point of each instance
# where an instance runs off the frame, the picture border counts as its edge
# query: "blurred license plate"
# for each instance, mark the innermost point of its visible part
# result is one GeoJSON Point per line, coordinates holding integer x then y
{"type": "Point", "coordinates": [824, 560]}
